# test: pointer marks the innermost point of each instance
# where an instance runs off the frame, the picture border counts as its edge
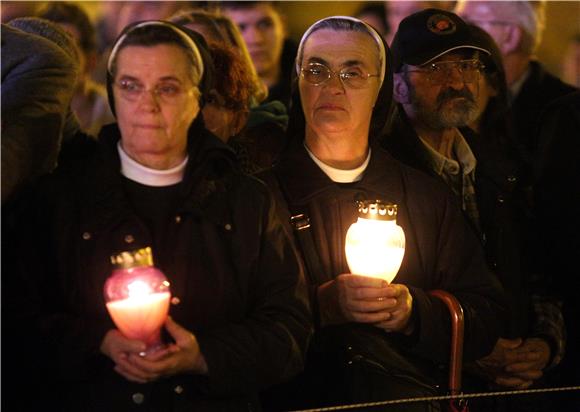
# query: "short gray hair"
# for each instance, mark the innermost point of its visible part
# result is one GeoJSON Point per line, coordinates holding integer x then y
{"type": "Point", "coordinates": [530, 16]}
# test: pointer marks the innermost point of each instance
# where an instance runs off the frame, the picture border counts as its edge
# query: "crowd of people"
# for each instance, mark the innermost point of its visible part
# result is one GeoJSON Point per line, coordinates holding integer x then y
{"type": "Point", "coordinates": [201, 130]}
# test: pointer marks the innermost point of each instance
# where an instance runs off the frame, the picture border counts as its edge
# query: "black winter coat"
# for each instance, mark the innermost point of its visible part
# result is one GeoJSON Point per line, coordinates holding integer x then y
{"type": "Point", "coordinates": [499, 198]}
{"type": "Point", "coordinates": [228, 258]}
{"type": "Point", "coordinates": [441, 251]}
{"type": "Point", "coordinates": [538, 91]}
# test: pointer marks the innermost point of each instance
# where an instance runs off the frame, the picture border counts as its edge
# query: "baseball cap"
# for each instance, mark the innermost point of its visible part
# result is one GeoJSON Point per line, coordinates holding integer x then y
{"type": "Point", "coordinates": [428, 34]}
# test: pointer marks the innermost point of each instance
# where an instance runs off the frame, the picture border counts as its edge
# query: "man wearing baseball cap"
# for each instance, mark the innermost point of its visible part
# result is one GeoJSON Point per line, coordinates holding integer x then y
{"type": "Point", "coordinates": [437, 66]}
{"type": "Point", "coordinates": [437, 69]}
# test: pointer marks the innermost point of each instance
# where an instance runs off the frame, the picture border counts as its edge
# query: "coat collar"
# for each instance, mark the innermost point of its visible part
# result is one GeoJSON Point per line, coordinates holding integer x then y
{"type": "Point", "coordinates": [404, 144]}
{"type": "Point", "coordinates": [302, 180]}
{"type": "Point", "coordinates": [210, 164]}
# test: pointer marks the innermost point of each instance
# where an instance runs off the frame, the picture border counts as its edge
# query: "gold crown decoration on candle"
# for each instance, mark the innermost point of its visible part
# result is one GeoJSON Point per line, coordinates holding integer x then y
{"type": "Point", "coordinates": [133, 258]}
{"type": "Point", "coordinates": [377, 210]}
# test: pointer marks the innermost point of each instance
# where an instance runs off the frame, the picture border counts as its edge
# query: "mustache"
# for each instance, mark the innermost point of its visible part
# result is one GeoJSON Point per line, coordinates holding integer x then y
{"type": "Point", "coordinates": [452, 94]}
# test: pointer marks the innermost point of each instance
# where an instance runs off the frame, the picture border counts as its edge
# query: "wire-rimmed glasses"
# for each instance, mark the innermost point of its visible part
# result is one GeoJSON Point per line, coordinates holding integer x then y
{"type": "Point", "coordinates": [441, 72]}
{"type": "Point", "coordinates": [353, 77]}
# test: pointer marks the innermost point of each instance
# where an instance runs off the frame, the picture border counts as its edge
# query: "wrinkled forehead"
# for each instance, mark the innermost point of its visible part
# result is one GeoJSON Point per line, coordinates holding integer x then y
{"type": "Point", "coordinates": [339, 46]}
{"type": "Point", "coordinates": [165, 61]}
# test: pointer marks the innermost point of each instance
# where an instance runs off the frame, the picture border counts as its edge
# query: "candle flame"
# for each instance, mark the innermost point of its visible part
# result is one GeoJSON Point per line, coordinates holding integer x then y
{"type": "Point", "coordinates": [139, 289]}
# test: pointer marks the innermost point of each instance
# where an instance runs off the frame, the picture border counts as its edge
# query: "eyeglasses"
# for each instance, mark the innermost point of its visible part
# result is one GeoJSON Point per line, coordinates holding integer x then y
{"type": "Point", "coordinates": [440, 73]}
{"type": "Point", "coordinates": [353, 76]}
{"type": "Point", "coordinates": [169, 93]}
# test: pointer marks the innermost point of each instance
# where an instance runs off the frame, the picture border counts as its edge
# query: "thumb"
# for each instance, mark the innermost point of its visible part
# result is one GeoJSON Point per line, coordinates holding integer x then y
{"type": "Point", "coordinates": [511, 343]}
{"type": "Point", "coordinates": [115, 342]}
{"type": "Point", "coordinates": [176, 330]}
{"type": "Point", "coordinates": [130, 345]}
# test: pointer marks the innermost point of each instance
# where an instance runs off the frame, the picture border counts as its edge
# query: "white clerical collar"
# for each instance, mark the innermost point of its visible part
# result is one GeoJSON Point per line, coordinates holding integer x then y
{"type": "Point", "coordinates": [150, 177]}
{"type": "Point", "coordinates": [341, 175]}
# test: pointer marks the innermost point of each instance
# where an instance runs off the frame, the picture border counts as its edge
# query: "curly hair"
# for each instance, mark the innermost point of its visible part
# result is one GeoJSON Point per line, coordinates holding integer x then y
{"type": "Point", "coordinates": [234, 77]}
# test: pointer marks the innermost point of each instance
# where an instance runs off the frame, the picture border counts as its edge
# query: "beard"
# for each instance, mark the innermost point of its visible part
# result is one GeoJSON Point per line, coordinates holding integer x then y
{"type": "Point", "coordinates": [453, 108]}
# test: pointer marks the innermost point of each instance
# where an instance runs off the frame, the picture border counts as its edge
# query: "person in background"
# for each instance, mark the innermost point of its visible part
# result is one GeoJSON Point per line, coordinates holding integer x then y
{"type": "Point", "coordinates": [239, 319]}
{"type": "Point", "coordinates": [571, 62]}
{"type": "Point", "coordinates": [439, 64]}
{"type": "Point", "coordinates": [106, 32]}
{"type": "Point", "coordinates": [494, 120]}
{"type": "Point", "coordinates": [397, 10]}
{"type": "Point", "coordinates": [14, 9]}
{"type": "Point", "coordinates": [90, 99]}
{"type": "Point", "coordinates": [557, 200]}
{"type": "Point", "coordinates": [263, 29]}
{"type": "Point", "coordinates": [216, 27]}
{"type": "Point", "coordinates": [39, 70]}
{"type": "Point", "coordinates": [257, 129]}
{"type": "Point", "coordinates": [116, 15]}
{"type": "Point", "coordinates": [374, 340]}
{"type": "Point", "coordinates": [373, 13]}
{"type": "Point", "coordinates": [517, 28]}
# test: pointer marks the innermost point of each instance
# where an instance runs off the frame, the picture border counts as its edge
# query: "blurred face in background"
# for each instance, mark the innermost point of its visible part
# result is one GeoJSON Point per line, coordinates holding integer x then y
{"type": "Point", "coordinates": [485, 16]}
{"type": "Point", "coordinates": [133, 11]}
{"type": "Point", "coordinates": [263, 31]}
{"type": "Point", "coordinates": [571, 63]}
{"type": "Point", "coordinates": [375, 21]}
{"type": "Point", "coordinates": [14, 9]}
{"type": "Point", "coordinates": [397, 10]}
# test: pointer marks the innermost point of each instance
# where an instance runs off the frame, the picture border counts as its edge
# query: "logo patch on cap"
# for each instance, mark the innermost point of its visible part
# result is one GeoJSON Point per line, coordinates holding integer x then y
{"type": "Point", "coordinates": [441, 24]}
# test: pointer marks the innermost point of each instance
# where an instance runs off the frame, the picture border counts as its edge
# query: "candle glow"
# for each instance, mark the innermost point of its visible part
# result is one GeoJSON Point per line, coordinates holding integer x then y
{"type": "Point", "coordinates": [137, 297]}
{"type": "Point", "coordinates": [375, 248]}
{"type": "Point", "coordinates": [141, 315]}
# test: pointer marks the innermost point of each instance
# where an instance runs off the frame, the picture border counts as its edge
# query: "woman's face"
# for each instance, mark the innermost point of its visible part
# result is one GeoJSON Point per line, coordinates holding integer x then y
{"type": "Point", "coordinates": [156, 102]}
{"type": "Point", "coordinates": [333, 106]}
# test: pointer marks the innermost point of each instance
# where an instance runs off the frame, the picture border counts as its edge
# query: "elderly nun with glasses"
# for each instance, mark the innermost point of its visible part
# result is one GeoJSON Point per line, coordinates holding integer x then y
{"type": "Point", "coordinates": [374, 339]}
{"type": "Point", "coordinates": [239, 319]}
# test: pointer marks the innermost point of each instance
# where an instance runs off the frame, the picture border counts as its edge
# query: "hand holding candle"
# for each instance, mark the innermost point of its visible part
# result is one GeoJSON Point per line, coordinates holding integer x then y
{"type": "Point", "coordinates": [183, 356]}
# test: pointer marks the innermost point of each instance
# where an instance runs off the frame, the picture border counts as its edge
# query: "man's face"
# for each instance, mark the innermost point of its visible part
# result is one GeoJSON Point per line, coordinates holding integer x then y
{"type": "Point", "coordinates": [452, 103]}
{"type": "Point", "coordinates": [263, 31]}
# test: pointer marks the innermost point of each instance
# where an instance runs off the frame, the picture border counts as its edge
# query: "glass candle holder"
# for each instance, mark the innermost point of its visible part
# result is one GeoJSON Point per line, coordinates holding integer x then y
{"type": "Point", "coordinates": [375, 244]}
{"type": "Point", "coordinates": [137, 296]}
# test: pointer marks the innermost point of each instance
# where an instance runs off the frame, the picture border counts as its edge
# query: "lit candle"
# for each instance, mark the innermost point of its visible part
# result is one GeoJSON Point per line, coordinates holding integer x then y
{"type": "Point", "coordinates": [375, 244]}
{"type": "Point", "coordinates": [141, 315]}
{"type": "Point", "coordinates": [137, 296]}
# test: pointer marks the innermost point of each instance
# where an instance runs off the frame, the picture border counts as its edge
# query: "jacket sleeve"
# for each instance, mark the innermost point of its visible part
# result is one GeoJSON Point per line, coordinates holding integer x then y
{"type": "Point", "coordinates": [37, 85]}
{"type": "Point", "coordinates": [459, 268]}
{"type": "Point", "coordinates": [51, 338]}
{"type": "Point", "coordinates": [268, 346]}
